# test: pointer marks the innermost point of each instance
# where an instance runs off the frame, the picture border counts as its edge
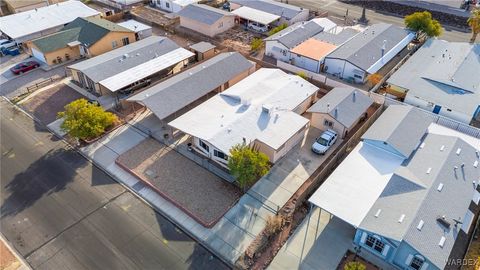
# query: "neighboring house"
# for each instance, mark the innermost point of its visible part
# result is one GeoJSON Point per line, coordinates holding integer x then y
{"type": "Point", "coordinates": [122, 4]}
{"type": "Point", "coordinates": [288, 13]}
{"type": "Point", "coordinates": [340, 109]}
{"type": "Point", "coordinates": [256, 20]}
{"type": "Point", "coordinates": [206, 20]}
{"type": "Point", "coordinates": [83, 37]}
{"type": "Point", "coordinates": [203, 50]}
{"type": "Point", "coordinates": [173, 5]}
{"type": "Point", "coordinates": [141, 30]}
{"type": "Point", "coordinates": [16, 6]}
{"type": "Point", "coordinates": [367, 52]}
{"type": "Point", "coordinates": [178, 94]}
{"type": "Point", "coordinates": [311, 53]}
{"type": "Point", "coordinates": [261, 110]}
{"type": "Point", "coordinates": [442, 77]}
{"type": "Point", "coordinates": [129, 68]}
{"type": "Point", "coordinates": [279, 45]}
{"type": "Point", "coordinates": [39, 22]}
{"type": "Point", "coordinates": [410, 188]}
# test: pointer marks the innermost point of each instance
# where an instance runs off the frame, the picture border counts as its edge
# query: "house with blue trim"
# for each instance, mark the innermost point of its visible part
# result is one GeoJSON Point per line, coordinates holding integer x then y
{"type": "Point", "coordinates": [410, 188]}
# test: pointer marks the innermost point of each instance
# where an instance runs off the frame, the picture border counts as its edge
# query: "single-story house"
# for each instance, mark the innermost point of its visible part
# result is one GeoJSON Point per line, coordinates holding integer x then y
{"type": "Point", "coordinates": [203, 50]}
{"type": "Point", "coordinates": [263, 110]}
{"type": "Point", "coordinates": [311, 53]}
{"type": "Point", "coordinates": [178, 94]}
{"type": "Point", "coordinates": [83, 37]}
{"type": "Point", "coordinates": [340, 109]}
{"type": "Point", "coordinates": [16, 6]}
{"type": "Point", "coordinates": [410, 189]}
{"type": "Point", "coordinates": [287, 13]}
{"type": "Point", "coordinates": [255, 19]}
{"type": "Point", "coordinates": [31, 24]}
{"type": "Point", "coordinates": [141, 30]}
{"type": "Point", "coordinates": [173, 6]}
{"type": "Point", "coordinates": [122, 4]}
{"type": "Point", "coordinates": [442, 77]}
{"type": "Point", "coordinates": [206, 20]}
{"type": "Point", "coordinates": [129, 68]}
{"type": "Point", "coordinates": [367, 52]}
{"type": "Point", "coordinates": [279, 45]}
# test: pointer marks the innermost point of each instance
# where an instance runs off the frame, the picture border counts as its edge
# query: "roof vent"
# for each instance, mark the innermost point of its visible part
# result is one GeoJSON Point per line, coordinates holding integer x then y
{"type": "Point", "coordinates": [475, 163]}
{"type": "Point", "coordinates": [429, 170]}
{"type": "Point", "coordinates": [402, 217]}
{"type": "Point", "coordinates": [442, 241]}
{"type": "Point", "coordinates": [125, 56]}
{"type": "Point", "coordinates": [444, 222]}
{"type": "Point", "coordinates": [442, 148]}
{"type": "Point", "coordinates": [458, 151]}
{"type": "Point", "coordinates": [378, 213]}
{"type": "Point", "coordinates": [440, 187]}
{"type": "Point", "coordinates": [420, 225]}
{"type": "Point", "coordinates": [422, 145]}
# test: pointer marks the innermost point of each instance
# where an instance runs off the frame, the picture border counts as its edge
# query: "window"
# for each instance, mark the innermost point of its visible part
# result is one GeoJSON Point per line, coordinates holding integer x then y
{"type": "Point", "coordinates": [220, 154]}
{"type": "Point", "coordinates": [220, 25]}
{"type": "Point", "coordinates": [417, 263]}
{"type": "Point", "coordinates": [375, 243]}
{"type": "Point", "coordinates": [284, 52]}
{"type": "Point", "coordinates": [203, 145]}
{"type": "Point", "coordinates": [167, 4]}
{"type": "Point", "coordinates": [125, 41]}
{"type": "Point", "coordinates": [328, 123]}
{"type": "Point", "coordinates": [114, 44]}
{"type": "Point", "coordinates": [357, 76]}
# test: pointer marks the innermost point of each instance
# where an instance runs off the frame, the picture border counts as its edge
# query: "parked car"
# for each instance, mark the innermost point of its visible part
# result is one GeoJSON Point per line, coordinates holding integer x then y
{"type": "Point", "coordinates": [5, 43]}
{"type": "Point", "coordinates": [257, 27]}
{"type": "Point", "coordinates": [24, 67]}
{"type": "Point", "coordinates": [324, 142]}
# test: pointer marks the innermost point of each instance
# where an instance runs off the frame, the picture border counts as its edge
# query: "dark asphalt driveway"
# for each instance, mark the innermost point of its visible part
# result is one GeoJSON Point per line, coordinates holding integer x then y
{"type": "Point", "coordinates": [60, 212]}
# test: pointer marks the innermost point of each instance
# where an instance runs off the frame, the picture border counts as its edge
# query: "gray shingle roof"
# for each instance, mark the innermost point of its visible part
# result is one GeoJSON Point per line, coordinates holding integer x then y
{"type": "Point", "coordinates": [202, 46]}
{"type": "Point", "coordinates": [296, 33]}
{"type": "Point", "coordinates": [346, 105]}
{"type": "Point", "coordinates": [444, 73]}
{"type": "Point", "coordinates": [336, 39]}
{"type": "Point", "coordinates": [413, 192]}
{"type": "Point", "coordinates": [400, 126]}
{"type": "Point", "coordinates": [114, 62]}
{"type": "Point", "coordinates": [365, 49]}
{"type": "Point", "coordinates": [203, 13]}
{"type": "Point", "coordinates": [175, 93]}
{"type": "Point", "coordinates": [280, 9]}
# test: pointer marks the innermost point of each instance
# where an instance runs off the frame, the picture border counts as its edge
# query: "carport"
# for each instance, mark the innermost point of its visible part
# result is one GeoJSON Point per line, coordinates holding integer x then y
{"type": "Point", "coordinates": [248, 15]}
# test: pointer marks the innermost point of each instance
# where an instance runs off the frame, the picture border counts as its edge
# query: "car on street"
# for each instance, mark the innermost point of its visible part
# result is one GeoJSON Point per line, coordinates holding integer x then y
{"type": "Point", "coordinates": [5, 43]}
{"type": "Point", "coordinates": [24, 67]}
{"type": "Point", "coordinates": [324, 142]}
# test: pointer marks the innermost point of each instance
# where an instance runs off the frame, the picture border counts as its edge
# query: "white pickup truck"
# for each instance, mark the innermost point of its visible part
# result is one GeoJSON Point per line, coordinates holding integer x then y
{"type": "Point", "coordinates": [324, 142]}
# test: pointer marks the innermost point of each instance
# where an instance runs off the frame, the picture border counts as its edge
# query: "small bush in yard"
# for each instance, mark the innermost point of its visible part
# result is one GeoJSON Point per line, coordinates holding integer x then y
{"type": "Point", "coordinates": [277, 29]}
{"type": "Point", "coordinates": [247, 164]}
{"type": "Point", "coordinates": [84, 120]}
{"type": "Point", "coordinates": [274, 224]}
{"type": "Point", "coordinates": [256, 44]}
{"type": "Point", "coordinates": [302, 75]}
{"type": "Point", "coordinates": [355, 266]}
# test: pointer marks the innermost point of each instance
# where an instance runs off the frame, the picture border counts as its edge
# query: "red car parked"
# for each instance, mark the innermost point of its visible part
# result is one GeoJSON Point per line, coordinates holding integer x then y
{"type": "Point", "coordinates": [24, 67]}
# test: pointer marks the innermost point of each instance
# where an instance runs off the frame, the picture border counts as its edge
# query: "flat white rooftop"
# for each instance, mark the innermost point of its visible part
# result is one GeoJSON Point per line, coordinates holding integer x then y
{"type": "Point", "coordinates": [134, 25]}
{"type": "Point", "coordinates": [255, 15]}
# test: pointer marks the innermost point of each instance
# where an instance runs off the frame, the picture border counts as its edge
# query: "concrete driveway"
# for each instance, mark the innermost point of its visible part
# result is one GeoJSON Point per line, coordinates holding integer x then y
{"type": "Point", "coordinates": [319, 243]}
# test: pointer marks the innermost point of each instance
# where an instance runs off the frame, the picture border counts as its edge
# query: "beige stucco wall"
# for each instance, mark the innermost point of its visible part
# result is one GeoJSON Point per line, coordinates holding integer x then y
{"type": "Point", "coordinates": [218, 27]}
{"type": "Point", "coordinates": [25, 8]}
{"type": "Point", "coordinates": [73, 52]}
{"type": "Point", "coordinates": [318, 120]}
{"type": "Point", "coordinates": [105, 44]}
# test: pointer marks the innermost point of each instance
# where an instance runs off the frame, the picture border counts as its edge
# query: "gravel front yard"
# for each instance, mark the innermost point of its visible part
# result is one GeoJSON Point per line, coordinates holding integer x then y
{"type": "Point", "coordinates": [46, 104]}
{"type": "Point", "coordinates": [201, 194]}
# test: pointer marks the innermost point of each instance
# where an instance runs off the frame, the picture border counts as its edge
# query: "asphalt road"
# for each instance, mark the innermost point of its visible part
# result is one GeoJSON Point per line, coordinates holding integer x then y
{"type": "Point", "coordinates": [339, 9]}
{"type": "Point", "coordinates": [60, 212]}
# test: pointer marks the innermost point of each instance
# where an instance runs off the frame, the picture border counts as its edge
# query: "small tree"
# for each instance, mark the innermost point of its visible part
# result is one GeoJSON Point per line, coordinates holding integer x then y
{"type": "Point", "coordinates": [355, 266]}
{"type": "Point", "coordinates": [423, 23]}
{"type": "Point", "coordinates": [256, 44]}
{"type": "Point", "coordinates": [247, 164]}
{"type": "Point", "coordinates": [474, 23]}
{"type": "Point", "coordinates": [277, 29]}
{"type": "Point", "coordinates": [302, 75]}
{"type": "Point", "coordinates": [84, 120]}
{"type": "Point", "coordinates": [374, 79]}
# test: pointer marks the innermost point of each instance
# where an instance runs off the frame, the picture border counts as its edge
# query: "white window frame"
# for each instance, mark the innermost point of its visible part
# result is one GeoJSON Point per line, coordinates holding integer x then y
{"type": "Point", "coordinates": [206, 149]}
{"type": "Point", "coordinates": [114, 44]}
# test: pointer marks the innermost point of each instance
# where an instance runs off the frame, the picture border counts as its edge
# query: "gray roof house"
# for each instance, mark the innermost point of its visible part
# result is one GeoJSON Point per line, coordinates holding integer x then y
{"type": "Point", "coordinates": [336, 39]}
{"type": "Point", "coordinates": [176, 95]}
{"type": "Point", "coordinates": [344, 106]}
{"type": "Point", "coordinates": [442, 77]}
{"type": "Point", "coordinates": [118, 69]}
{"type": "Point", "coordinates": [296, 34]}
{"type": "Point", "coordinates": [366, 53]}
{"type": "Point", "coordinates": [206, 19]}
{"type": "Point", "coordinates": [288, 13]}
{"type": "Point", "coordinates": [414, 212]}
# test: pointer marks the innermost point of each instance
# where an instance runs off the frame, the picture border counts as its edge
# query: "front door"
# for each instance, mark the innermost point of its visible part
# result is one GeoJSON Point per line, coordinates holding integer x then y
{"type": "Point", "coordinates": [437, 109]}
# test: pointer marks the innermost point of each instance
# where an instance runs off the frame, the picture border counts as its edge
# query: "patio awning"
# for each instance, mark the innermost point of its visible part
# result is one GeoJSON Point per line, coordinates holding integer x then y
{"type": "Point", "coordinates": [255, 15]}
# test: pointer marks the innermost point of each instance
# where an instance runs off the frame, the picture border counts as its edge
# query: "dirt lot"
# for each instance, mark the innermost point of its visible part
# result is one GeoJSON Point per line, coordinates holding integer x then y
{"type": "Point", "coordinates": [237, 39]}
{"type": "Point", "coordinates": [201, 194]}
{"type": "Point", "coordinates": [7, 260]}
{"type": "Point", "coordinates": [46, 104]}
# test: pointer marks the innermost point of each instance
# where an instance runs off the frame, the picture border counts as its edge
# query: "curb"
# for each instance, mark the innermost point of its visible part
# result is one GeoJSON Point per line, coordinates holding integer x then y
{"type": "Point", "coordinates": [132, 191]}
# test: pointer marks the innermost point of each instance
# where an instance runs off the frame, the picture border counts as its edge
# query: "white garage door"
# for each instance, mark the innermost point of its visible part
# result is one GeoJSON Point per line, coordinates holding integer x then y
{"type": "Point", "coordinates": [39, 55]}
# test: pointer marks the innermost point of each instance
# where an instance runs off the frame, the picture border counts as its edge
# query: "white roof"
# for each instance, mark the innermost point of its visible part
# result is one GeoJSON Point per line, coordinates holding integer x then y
{"type": "Point", "coordinates": [240, 111]}
{"type": "Point", "coordinates": [328, 25]}
{"type": "Point", "coordinates": [184, 3]}
{"type": "Point", "coordinates": [134, 25]}
{"type": "Point", "coordinates": [146, 69]}
{"type": "Point", "coordinates": [349, 195]}
{"type": "Point", "coordinates": [255, 15]}
{"type": "Point", "coordinates": [29, 22]}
